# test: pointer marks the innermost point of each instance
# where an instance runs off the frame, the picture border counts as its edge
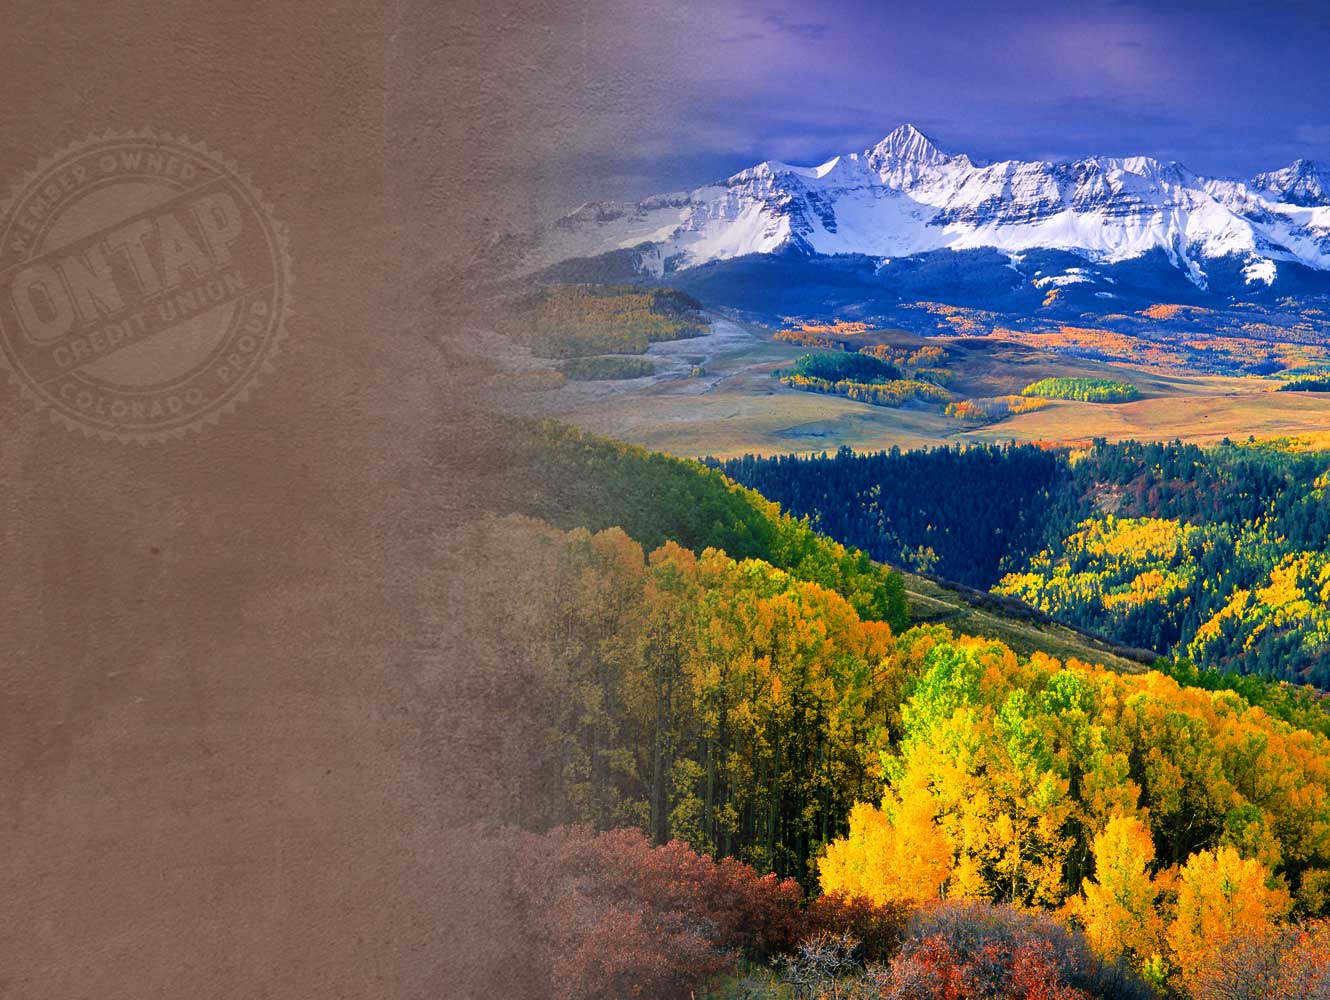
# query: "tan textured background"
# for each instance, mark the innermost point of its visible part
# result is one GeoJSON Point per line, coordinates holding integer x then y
{"type": "Point", "coordinates": [222, 746]}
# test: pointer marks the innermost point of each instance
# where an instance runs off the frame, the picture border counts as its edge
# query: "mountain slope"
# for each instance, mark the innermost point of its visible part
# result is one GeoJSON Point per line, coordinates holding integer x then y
{"type": "Point", "coordinates": [905, 196]}
{"type": "Point", "coordinates": [573, 479]}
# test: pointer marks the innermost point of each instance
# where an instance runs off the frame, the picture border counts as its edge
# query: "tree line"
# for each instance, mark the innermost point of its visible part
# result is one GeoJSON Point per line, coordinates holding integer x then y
{"type": "Point", "coordinates": [1214, 554]}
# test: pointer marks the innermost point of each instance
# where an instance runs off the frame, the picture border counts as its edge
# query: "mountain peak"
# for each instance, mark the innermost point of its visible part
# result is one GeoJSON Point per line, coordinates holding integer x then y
{"type": "Point", "coordinates": [1302, 182]}
{"type": "Point", "coordinates": [906, 144]}
{"type": "Point", "coordinates": [907, 130]}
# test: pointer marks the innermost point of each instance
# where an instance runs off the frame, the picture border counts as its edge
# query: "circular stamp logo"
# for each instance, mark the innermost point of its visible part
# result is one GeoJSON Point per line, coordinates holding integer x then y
{"type": "Point", "coordinates": [144, 286]}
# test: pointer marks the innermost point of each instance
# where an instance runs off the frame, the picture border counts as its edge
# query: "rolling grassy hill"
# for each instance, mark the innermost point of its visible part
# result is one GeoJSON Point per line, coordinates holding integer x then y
{"type": "Point", "coordinates": [715, 395]}
{"type": "Point", "coordinates": [1027, 630]}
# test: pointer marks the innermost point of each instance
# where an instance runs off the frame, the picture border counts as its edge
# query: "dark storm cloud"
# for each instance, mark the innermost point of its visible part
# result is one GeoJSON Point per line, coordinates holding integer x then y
{"type": "Point", "coordinates": [782, 22]}
{"type": "Point", "coordinates": [711, 86]}
{"type": "Point", "coordinates": [689, 92]}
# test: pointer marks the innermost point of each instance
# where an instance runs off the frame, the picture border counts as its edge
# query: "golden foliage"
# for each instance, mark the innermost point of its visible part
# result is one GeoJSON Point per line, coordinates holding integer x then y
{"type": "Point", "coordinates": [964, 321]}
{"type": "Point", "coordinates": [1096, 342]}
{"type": "Point", "coordinates": [1243, 346]}
{"type": "Point", "coordinates": [893, 854]}
{"type": "Point", "coordinates": [835, 335]}
{"type": "Point", "coordinates": [994, 408]}
{"type": "Point", "coordinates": [989, 751]}
{"type": "Point", "coordinates": [1120, 563]}
{"type": "Point", "coordinates": [575, 320]}
{"type": "Point", "coordinates": [1295, 594]}
{"type": "Point", "coordinates": [1118, 906]}
{"type": "Point", "coordinates": [1167, 311]}
{"type": "Point", "coordinates": [894, 393]}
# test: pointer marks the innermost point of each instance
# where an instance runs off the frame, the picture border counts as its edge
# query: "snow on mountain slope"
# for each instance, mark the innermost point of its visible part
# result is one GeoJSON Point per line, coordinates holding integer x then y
{"type": "Point", "coordinates": [1303, 182]}
{"type": "Point", "coordinates": [905, 196]}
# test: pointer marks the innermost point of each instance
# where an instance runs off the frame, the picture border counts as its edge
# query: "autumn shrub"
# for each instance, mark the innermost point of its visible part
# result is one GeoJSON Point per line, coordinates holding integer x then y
{"type": "Point", "coordinates": [741, 910]}
{"type": "Point", "coordinates": [611, 915]}
{"type": "Point", "coordinates": [967, 950]}
{"type": "Point", "coordinates": [824, 965]}
{"type": "Point", "coordinates": [966, 409]}
{"type": "Point", "coordinates": [956, 951]}
{"type": "Point", "coordinates": [994, 408]}
{"type": "Point", "coordinates": [1286, 963]}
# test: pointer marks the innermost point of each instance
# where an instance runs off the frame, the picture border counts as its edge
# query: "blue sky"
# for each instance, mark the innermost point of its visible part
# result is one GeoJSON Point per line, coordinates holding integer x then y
{"type": "Point", "coordinates": [706, 88]}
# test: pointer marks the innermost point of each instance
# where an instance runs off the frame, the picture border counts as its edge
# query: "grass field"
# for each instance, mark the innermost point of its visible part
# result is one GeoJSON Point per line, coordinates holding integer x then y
{"type": "Point", "coordinates": [971, 612]}
{"type": "Point", "coordinates": [714, 395]}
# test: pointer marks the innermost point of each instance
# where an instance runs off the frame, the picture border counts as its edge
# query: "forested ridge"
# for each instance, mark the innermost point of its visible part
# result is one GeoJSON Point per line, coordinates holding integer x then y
{"type": "Point", "coordinates": [903, 812]}
{"type": "Point", "coordinates": [574, 479]}
{"type": "Point", "coordinates": [1216, 554]}
{"type": "Point", "coordinates": [725, 706]}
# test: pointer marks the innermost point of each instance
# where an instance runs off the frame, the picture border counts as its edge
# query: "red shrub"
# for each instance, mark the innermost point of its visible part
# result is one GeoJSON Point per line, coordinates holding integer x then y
{"type": "Point", "coordinates": [1036, 976]}
{"type": "Point", "coordinates": [976, 951]}
{"type": "Point", "coordinates": [728, 900]}
{"type": "Point", "coordinates": [1287, 963]}
{"type": "Point", "coordinates": [609, 915]}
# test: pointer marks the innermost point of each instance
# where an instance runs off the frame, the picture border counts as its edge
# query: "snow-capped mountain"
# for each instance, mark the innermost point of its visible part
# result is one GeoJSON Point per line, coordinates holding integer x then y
{"type": "Point", "coordinates": [905, 196]}
{"type": "Point", "coordinates": [1303, 182]}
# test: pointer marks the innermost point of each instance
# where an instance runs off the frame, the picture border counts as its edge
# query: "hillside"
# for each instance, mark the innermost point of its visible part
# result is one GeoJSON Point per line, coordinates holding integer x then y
{"type": "Point", "coordinates": [1016, 624]}
{"type": "Point", "coordinates": [1081, 822]}
{"type": "Point", "coordinates": [572, 479]}
{"type": "Point", "coordinates": [578, 480]}
{"type": "Point", "coordinates": [1217, 554]}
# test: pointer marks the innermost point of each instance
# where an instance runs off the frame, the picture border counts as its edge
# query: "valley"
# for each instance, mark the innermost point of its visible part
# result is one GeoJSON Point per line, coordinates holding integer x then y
{"type": "Point", "coordinates": [1202, 294]}
{"type": "Point", "coordinates": [734, 406]}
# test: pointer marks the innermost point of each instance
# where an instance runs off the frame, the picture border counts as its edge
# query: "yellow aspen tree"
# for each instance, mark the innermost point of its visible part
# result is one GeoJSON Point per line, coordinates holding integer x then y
{"type": "Point", "coordinates": [893, 854]}
{"type": "Point", "coordinates": [1117, 906]}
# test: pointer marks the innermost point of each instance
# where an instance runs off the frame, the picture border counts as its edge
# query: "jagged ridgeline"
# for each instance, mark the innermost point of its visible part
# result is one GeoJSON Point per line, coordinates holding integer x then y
{"type": "Point", "coordinates": [1218, 554]}
{"type": "Point", "coordinates": [1096, 230]}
